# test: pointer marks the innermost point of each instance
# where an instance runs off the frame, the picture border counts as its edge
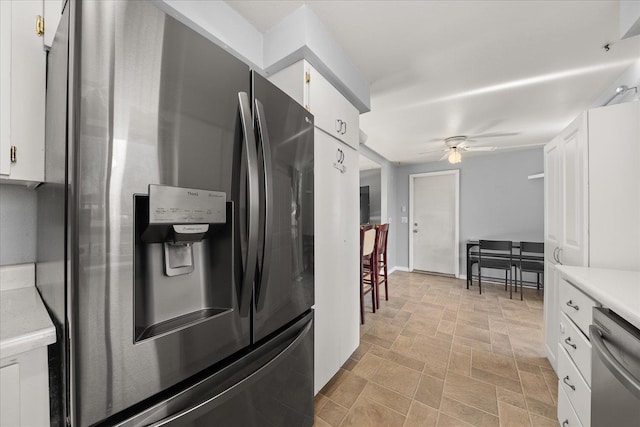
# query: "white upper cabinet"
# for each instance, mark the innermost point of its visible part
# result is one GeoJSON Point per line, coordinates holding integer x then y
{"type": "Point", "coordinates": [52, 15]}
{"type": "Point", "coordinates": [332, 112]}
{"type": "Point", "coordinates": [22, 78]}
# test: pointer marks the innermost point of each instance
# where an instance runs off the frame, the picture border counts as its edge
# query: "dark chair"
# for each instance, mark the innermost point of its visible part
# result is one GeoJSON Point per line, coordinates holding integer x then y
{"type": "Point", "coordinates": [532, 266]}
{"type": "Point", "coordinates": [368, 263]}
{"type": "Point", "coordinates": [496, 255]}
{"type": "Point", "coordinates": [382, 231]}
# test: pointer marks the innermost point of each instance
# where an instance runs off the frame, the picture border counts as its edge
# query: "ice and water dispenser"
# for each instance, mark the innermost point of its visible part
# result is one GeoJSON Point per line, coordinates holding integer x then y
{"type": "Point", "coordinates": [183, 258]}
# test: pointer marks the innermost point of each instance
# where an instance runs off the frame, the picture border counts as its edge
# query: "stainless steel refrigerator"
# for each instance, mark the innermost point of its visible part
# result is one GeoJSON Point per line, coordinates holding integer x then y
{"type": "Point", "coordinates": [175, 229]}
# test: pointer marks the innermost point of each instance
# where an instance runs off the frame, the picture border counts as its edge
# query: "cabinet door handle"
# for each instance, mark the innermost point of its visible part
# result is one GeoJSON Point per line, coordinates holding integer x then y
{"type": "Point", "coordinates": [345, 128]}
{"type": "Point", "coordinates": [568, 341]}
{"type": "Point", "coordinates": [570, 304]}
{"type": "Point", "coordinates": [566, 381]}
{"type": "Point", "coordinates": [559, 252]}
{"type": "Point", "coordinates": [555, 251]}
{"type": "Point", "coordinates": [339, 125]}
{"type": "Point", "coordinates": [565, 423]}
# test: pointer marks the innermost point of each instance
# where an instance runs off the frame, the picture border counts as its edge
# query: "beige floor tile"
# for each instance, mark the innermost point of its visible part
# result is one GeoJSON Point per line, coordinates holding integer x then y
{"type": "Point", "coordinates": [536, 388]}
{"type": "Point", "coordinates": [438, 353]}
{"type": "Point", "coordinates": [540, 421]}
{"type": "Point", "coordinates": [334, 382]}
{"type": "Point", "coordinates": [366, 412]}
{"type": "Point", "coordinates": [429, 391]}
{"type": "Point", "coordinates": [386, 397]}
{"type": "Point", "coordinates": [467, 413]}
{"type": "Point", "coordinates": [494, 363]}
{"type": "Point", "coordinates": [472, 332]}
{"type": "Point", "coordinates": [332, 413]}
{"type": "Point", "coordinates": [397, 378]}
{"type": "Point", "coordinates": [510, 416]}
{"type": "Point", "coordinates": [368, 366]}
{"type": "Point", "coordinates": [319, 402]}
{"type": "Point", "coordinates": [512, 398]}
{"type": "Point", "coordinates": [319, 422]}
{"type": "Point", "coordinates": [421, 416]}
{"type": "Point", "coordinates": [544, 409]}
{"type": "Point", "coordinates": [472, 392]}
{"type": "Point", "coordinates": [497, 380]}
{"type": "Point", "coordinates": [445, 420]}
{"type": "Point", "coordinates": [460, 363]}
{"type": "Point", "coordinates": [348, 390]}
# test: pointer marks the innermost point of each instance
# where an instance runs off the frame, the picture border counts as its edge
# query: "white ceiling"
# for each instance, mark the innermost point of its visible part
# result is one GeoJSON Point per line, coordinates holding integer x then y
{"type": "Point", "coordinates": [444, 68]}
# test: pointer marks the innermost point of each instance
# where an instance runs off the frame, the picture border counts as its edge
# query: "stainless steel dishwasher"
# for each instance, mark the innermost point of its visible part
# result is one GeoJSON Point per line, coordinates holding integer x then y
{"type": "Point", "coordinates": [615, 371]}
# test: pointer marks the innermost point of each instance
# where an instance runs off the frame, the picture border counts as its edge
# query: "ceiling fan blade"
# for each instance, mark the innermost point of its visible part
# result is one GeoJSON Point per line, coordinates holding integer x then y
{"type": "Point", "coordinates": [436, 140]}
{"type": "Point", "coordinates": [479, 148]}
{"type": "Point", "coordinates": [446, 154]}
{"type": "Point", "coordinates": [434, 151]}
{"type": "Point", "coordinates": [492, 135]}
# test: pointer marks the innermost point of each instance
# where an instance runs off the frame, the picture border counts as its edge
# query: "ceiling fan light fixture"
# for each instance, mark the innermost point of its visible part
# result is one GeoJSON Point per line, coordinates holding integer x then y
{"type": "Point", "coordinates": [454, 156]}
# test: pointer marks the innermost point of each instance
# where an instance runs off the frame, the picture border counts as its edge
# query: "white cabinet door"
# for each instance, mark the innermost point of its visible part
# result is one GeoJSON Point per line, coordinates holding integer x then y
{"type": "Point", "coordinates": [23, 108]}
{"type": "Point", "coordinates": [552, 200]}
{"type": "Point", "coordinates": [327, 268]}
{"type": "Point", "coordinates": [52, 15]}
{"type": "Point", "coordinates": [5, 86]}
{"type": "Point", "coordinates": [574, 208]}
{"type": "Point", "coordinates": [614, 187]}
{"type": "Point", "coordinates": [337, 240]}
{"type": "Point", "coordinates": [10, 395]}
{"type": "Point", "coordinates": [332, 112]}
{"type": "Point", "coordinates": [551, 312]}
{"type": "Point", "coordinates": [350, 269]}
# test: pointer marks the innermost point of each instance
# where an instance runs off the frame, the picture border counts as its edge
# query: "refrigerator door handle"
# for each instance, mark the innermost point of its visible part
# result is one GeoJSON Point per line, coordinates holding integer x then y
{"type": "Point", "coordinates": [193, 412]}
{"type": "Point", "coordinates": [265, 146]}
{"type": "Point", "coordinates": [253, 208]}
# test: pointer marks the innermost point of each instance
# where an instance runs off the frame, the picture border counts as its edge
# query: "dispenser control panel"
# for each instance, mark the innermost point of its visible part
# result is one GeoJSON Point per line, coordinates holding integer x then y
{"type": "Point", "coordinates": [178, 205]}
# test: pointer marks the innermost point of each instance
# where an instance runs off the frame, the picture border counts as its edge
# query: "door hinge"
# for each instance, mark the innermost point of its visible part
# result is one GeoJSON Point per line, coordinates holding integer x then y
{"type": "Point", "coordinates": [39, 25]}
{"type": "Point", "coordinates": [12, 154]}
{"type": "Point", "coordinates": [307, 77]}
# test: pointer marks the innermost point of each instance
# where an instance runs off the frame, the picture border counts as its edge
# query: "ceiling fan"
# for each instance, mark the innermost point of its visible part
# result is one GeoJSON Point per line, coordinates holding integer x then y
{"type": "Point", "coordinates": [455, 145]}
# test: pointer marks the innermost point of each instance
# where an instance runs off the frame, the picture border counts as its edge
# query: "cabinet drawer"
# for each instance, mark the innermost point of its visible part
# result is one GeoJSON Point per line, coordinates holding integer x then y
{"type": "Point", "coordinates": [566, 415]}
{"type": "Point", "coordinates": [577, 345]}
{"type": "Point", "coordinates": [576, 305]}
{"type": "Point", "coordinates": [577, 390]}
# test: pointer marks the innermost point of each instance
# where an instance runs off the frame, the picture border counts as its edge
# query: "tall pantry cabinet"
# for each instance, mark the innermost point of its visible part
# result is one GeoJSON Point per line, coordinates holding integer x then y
{"type": "Point", "coordinates": [337, 238]}
{"type": "Point", "coordinates": [592, 200]}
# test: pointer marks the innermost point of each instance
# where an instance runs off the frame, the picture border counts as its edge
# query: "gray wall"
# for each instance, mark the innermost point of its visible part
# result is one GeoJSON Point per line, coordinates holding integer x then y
{"type": "Point", "coordinates": [18, 221]}
{"type": "Point", "coordinates": [373, 179]}
{"type": "Point", "coordinates": [496, 198]}
{"type": "Point", "coordinates": [387, 197]}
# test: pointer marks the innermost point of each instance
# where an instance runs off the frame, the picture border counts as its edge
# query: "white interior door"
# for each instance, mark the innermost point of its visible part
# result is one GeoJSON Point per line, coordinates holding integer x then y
{"type": "Point", "coordinates": [433, 223]}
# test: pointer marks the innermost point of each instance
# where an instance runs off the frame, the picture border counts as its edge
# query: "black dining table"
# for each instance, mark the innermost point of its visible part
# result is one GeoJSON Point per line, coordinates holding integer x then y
{"type": "Point", "coordinates": [471, 253]}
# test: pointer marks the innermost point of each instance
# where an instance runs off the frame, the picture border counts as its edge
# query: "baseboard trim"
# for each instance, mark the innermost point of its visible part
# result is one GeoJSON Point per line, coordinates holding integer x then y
{"type": "Point", "coordinates": [398, 268]}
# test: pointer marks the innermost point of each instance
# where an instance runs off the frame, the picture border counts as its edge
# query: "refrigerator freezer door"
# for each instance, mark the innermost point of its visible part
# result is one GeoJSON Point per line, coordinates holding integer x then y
{"type": "Point", "coordinates": [153, 102]}
{"type": "Point", "coordinates": [271, 386]}
{"type": "Point", "coordinates": [284, 289]}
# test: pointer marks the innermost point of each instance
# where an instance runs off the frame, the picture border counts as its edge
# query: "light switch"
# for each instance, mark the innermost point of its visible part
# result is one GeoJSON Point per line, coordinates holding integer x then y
{"type": "Point", "coordinates": [404, 220]}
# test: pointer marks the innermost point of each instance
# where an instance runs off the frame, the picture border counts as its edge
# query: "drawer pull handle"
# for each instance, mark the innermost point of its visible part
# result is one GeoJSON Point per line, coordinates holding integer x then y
{"type": "Point", "coordinates": [570, 304]}
{"type": "Point", "coordinates": [565, 423]}
{"type": "Point", "coordinates": [568, 341]}
{"type": "Point", "coordinates": [564, 380]}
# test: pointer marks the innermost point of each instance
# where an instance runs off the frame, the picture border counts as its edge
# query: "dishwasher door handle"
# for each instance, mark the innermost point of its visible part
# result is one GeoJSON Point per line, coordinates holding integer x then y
{"type": "Point", "coordinates": [620, 372]}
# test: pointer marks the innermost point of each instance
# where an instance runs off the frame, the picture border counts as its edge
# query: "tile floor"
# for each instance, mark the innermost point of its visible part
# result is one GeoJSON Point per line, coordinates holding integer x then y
{"type": "Point", "coordinates": [437, 354]}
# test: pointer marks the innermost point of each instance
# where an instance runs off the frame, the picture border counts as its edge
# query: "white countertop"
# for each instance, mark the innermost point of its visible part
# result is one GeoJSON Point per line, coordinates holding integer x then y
{"type": "Point", "coordinates": [24, 321]}
{"type": "Point", "coordinates": [616, 290]}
